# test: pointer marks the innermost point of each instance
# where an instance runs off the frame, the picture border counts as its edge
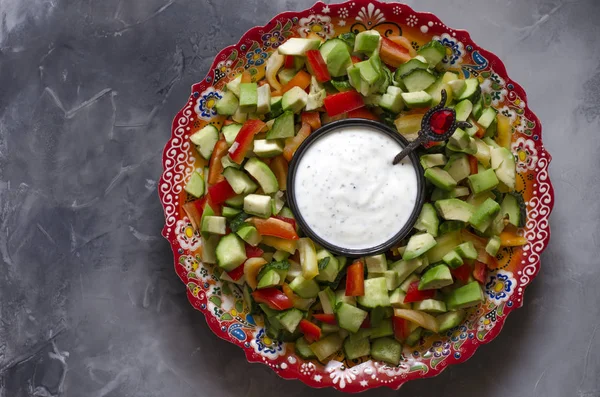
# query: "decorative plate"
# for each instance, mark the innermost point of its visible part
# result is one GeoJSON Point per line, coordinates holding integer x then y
{"type": "Point", "coordinates": [222, 303]}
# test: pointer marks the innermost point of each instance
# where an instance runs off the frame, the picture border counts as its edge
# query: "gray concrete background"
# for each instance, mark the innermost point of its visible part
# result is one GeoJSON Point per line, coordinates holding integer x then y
{"type": "Point", "coordinates": [89, 302]}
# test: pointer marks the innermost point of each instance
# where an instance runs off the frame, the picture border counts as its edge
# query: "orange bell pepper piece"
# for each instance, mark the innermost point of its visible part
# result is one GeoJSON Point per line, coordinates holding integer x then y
{"type": "Point", "coordinates": [311, 118]}
{"type": "Point", "coordinates": [215, 173]}
{"type": "Point", "coordinates": [355, 279]}
{"type": "Point", "coordinates": [279, 166]}
{"type": "Point", "coordinates": [301, 79]}
{"type": "Point", "coordinates": [393, 54]}
{"type": "Point", "coordinates": [292, 144]}
{"type": "Point", "coordinates": [274, 227]}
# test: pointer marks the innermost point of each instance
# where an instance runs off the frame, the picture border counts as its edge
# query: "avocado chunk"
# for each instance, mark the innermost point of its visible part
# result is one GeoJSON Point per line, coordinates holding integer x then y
{"type": "Point", "coordinates": [367, 42]}
{"type": "Point", "coordinates": [450, 320]}
{"type": "Point", "coordinates": [493, 246]}
{"type": "Point", "coordinates": [376, 263]}
{"type": "Point", "coordinates": [298, 46]}
{"type": "Point", "coordinates": [239, 181]}
{"type": "Point", "coordinates": [263, 174]}
{"type": "Point", "coordinates": [228, 104]}
{"type": "Point", "coordinates": [458, 191]}
{"type": "Point", "coordinates": [392, 99]}
{"type": "Point", "coordinates": [250, 235]}
{"type": "Point", "coordinates": [455, 209]}
{"type": "Point", "coordinates": [368, 72]}
{"type": "Point", "coordinates": [258, 204]}
{"type": "Point", "coordinates": [283, 127]}
{"type": "Point", "coordinates": [337, 57]}
{"type": "Point", "coordinates": [417, 245]}
{"type": "Point", "coordinates": [503, 162]}
{"type": "Point", "coordinates": [487, 117]}
{"type": "Point", "coordinates": [440, 178]}
{"type": "Point", "coordinates": [430, 306]}
{"type": "Point", "coordinates": [270, 279]}
{"type": "Point", "coordinates": [511, 208]}
{"type": "Point", "coordinates": [428, 220]}
{"type": "Point", "coordinates": [465, 296]}
{"type": "Point", "coordinates": [458, 167]}
{"type": "Point", "coordinates": [376, 293]}
{"type": "Point", "coordinates": [267, 147]}
{"type": "Point", "coordinates": [463, 110]}
{"type": "Point", "coordinates": [404, 268]}
{"type": "Point", "coordinates": [387, 350]}
{"type": "Point", "coordinates": [248, 97]}
{"type": "Point", "coordinates": [458, 87]}
{"type": "Point", "coordinates": [294, 100]}
{"type": "Point", "coordinates": [209, 247]}
{"type": "Point", "coordinates": [482, 217]}
{"type": "Point", "coordinates": [436, 278]}
{"type": "Point", "coordinates": [432, 160]}
{"type": "Point", "coordinates": [471, 89]}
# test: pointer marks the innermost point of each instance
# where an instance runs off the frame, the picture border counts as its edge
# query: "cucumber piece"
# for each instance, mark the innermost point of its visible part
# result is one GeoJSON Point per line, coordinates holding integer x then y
{"type": "Point", "coordinates": [327, 299]}
{"type": "Point", "coordinates": [405, 268]}
{"type": "Point", "coordinates": [470, 91]}
{"type": "Point", "coordinates": [305, 288]}
{"type": "Point", "coordinates": [493, 246]}
{"type": "Point", "coordinates": [349, 317]}
{"type": "Point", "coordinates": [229, 212]}
{"type": "Point", "coordinates": [342, 85]}
{"type": "Point", "coordinates": [385, 328]}
{"type": "Point", "coordinates": [227, 162]}
{"type": "Point", "coordinates": [467, 250]}
{"type": "Point", "coordinates": [414, 337]}
{"type": "Point", "coordinates": [209, 247]}
{"type": "Point", "coordinates": [205, 140]}
{"type": "Point", "coordinates": [340, 297]}
{"type": "Point", "coordinates": [239, 181]}
{"type": "Point", "coordinates": [258, 204]}
{"type": "Point", "coordinates": [458, 167]}
{"type": "Point", "coordinates": [376, 293]}
{"type": "Point", "coordinates": [356, 346]}
{"type": "Point", "coordinates": [483, 181]}
{"type": "Point", "coordinates": [392, 99]}
{"type": "Point", "coordinates": [409, 66]}
{"type": "Point", "coordinates": [230, 252]}
{"type": "Point", "coordinates": [411, 279]}
{"type": "Point", "coordinates": [303, 350]}
{"type": "Point", "coordinates": [455, 209]}
{"type": "Point", "coordinates": [234, 85]}
{"type": "Point", "coordinates": [328, 266]}
{"type": "Point", "coordinates": [236, 201]}
{"type": "Point", "coordinates": [214, 224]}
{"type": "Point", "coordinates": [251, 304]}
{"type": "Point", "coordinates": [487, 117]}
{"type": "Point", "coordinates": [239, 116]}
{"type": "Point", "coordinates": [263, 104]}
{"type": "Point", "coordinates": [336, 55]}
{"type": "Point", "coordinates": [452, 259]}
{"type": "Point", "coordinates": [432, 160]}
{"type": "Point", "coordinates": [263, 174]}
{"type": "Point", "coordinates": [250, 235]}
{"type": "Point", "coordinates": [418, 99]}
{"type": "Point", "coordinates": [514, 210]}
{"type": "Point", "coordinates": [450, 320]}
{"type": "Point", "coordinates": [228, 104]}
{"type": "Point", "coordinates": [283, 126]}
{"type": "Point", "coordinates": [463, 109]}
{"type": "Point", "coordinates": [460, 140]}
{"type": "Point", "coordinates": [195, 186]}
{"type": "Point", "coordinates": [290, 319]}
{"type": "Point", "coordinates": [298, 46]}
{"type": "Point", "coordinates": [329, 328]}
{"type": "Point", "coordinates": [433, 52]}
{"type": "Point", "coordinates": [451, 226]}
{"type": "Point", "coordinates": [376, 263]}
{"type": "Point", "coordinates": [458, 191]}
{"type": "Point", "coordinates": [436, 278]}
{"type": "Point", "coordinates": [387, 350]}
{"type": "Point", "coordinates": [230, 132]}
{"type": "Point", "coordinates": [269, 279]}
{"type": "Point", "coordinates": [457, 87]}
{"type": "Point", "coordinates": [277, 202]}
{"type": "Point", "coordinates": [428, 220]}
{"type": "Point", "coordinates": [430, 306]}
{"type": "Point", "coordinates": [503, 163]}
{"type": "Point", "coordinates": [465, 296]}
{"type": "Point", "coordinates": [397, 300]}
{"type": "Point", "coordinates": [440, 178]}
{"type": "Point", "coordinates": [326, 346]}
{"type": "Point", "coordinates": [418, 80]}
{"type": "Point", "coordinates": [417, 245]}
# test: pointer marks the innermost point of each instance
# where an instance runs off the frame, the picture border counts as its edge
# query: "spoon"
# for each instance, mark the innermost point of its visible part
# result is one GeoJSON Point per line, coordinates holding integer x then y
{"type": "Point", "coordinates": [438, 124]}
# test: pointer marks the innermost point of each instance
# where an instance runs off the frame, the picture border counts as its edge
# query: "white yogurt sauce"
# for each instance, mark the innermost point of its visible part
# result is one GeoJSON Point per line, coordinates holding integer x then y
{"type": "Point", "coordinates": [348, 191]}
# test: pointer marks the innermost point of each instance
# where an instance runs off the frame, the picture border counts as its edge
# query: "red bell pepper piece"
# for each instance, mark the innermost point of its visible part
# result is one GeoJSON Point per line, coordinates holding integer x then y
{"type": "Point", "coordinates": [393, 54]}
{"type": "Point", "coordinates": [253, 252]}
{"type": "Point", "coordinates": [343, 102]}
{"type": "Point", "coordinates": [480, 272]}
{"type": "Point", "coordinates": [311, 118]}
{"type": "Point", "coordinates": [243, 140]}
{"type": "Point", "coordinates": [288, 62]}
{"type": "Point", "coordinates": [275, 227]}
{"type": "Point", "coordinates": [355, 279]}
{"type": "Point", "coordinates": [362, 113]}
{"type": "Point", "coordinates": [317, 65]}
{"type": "Point", "coordinates": [273, 298]}
{"type": "Point", "coordinates": [414, 295]}
{"type": "Point", "coordinates": [473, 164]}
{"type": "Point", "coordinates": [237, 273]}
{"type": "Point", "coordinates": [401, 328]}
{"type": "Point", "coordinates": [215, 173]}
{"type": "Point", "coordinates": [461, 273]}
{"type": "Point", "coordinates": [220, 192]}
{"type": "Point", "coordinates": [355, 59]}
{"type": "Point", "coordinates": [325, 318]}
{"type": "Point", "coordinates": [291, 221]}
{"type": "Point", "coordinates": [311, 331]}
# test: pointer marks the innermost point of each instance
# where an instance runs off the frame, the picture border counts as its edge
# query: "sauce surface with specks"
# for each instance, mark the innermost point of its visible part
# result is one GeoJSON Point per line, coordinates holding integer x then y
{"type": "Point", "coordinates": [348, 191]}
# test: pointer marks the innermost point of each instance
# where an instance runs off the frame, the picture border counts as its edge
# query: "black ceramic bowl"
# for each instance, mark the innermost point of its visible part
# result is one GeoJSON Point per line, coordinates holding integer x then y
{"type": "Point", "coordinates": [291, 197]}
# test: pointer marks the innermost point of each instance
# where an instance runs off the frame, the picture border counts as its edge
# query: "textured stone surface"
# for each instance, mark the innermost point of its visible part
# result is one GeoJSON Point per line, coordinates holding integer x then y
{"type": "Point", "coordinates": [89, 302]}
